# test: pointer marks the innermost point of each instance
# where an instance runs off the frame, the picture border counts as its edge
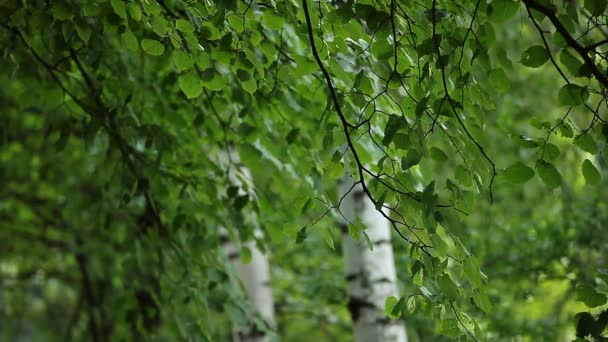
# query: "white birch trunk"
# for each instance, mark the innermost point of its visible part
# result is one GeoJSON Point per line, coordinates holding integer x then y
{"type": "Point", "coordinates": [255, 276]}
{"type": "Point", "coordinates": [370, 275]}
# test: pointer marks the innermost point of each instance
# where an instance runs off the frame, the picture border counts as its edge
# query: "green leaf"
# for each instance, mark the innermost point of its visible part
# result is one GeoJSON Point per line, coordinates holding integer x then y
{"type": "Point", "coordinates": [130, 41]}
{"type": "Point", "coordinates": [572, 95]}
{"type": "Point", "coordinates": [292, 135]}
{"type": "Point", "coordinates": [301, 235]}
{"type": "Point", "coordinates": [438, 155]}
{"type": "Point", "coordinates": [463, 176]}
{"type": "Point", "coordinates": [134, 11]}
{"type": "Point", "coordinates": [245, 255]}
{"type": "Point", "coordinates": [392, 304]}
{"type": "Point", "coordinates": [499, 80]}
{"type": "Point", "coordinates": [191, 85]}
{"type": "Point", "coordinates": [482, 301]}
{"type": "Point", "coordinates": [471, 271]}
{"type": "Point", "coordinates": [503, 10]}
{"type": "Point", "coordinates": [549, 174]}
{"type": "Point", "coordinates": [605, 132]}
{"type": "Point", "coordinates": [84, 32]}
{"type": "Point", "coordinates": [586, 142]}
{"type": "Point", "coordinates": [551, 151]}
{"type": "Point", "coordinates": [184, 26]}
{"type": "Point", "coordinates": [411, 304]}
{"type": "Point", "coordinates": [588, 295]}
{"type": "Point", "coordinates": [526, 142]}
{"type": "Point", "coordinates": [380, 200]}
{"type": "Point", "coordinates": [272, 21]}
{"type": "Point", "coordinates": [182, 60]}
{"type": "Point", "coordinates": [119, 8]}
{"type": "Point", "coordinates": [591, 174]}
{"type": "Point", "coordinates": [340, 16]}
{"type": "Point", "coordinates": [447, 286]}
{"type": "Point", "coordinates": [160, 25]}
{"type": "Point", "coordinates": [596, 7]}
{"type": "Point", "coordinates": [250, 85]}
{"type": "Point", "coordinates": [586, 325]}
{"type": "Point", "coordinates": [566, 130]}
{"type": "Point", "coordinates": [535, 56]}
{"type": "Point", "coordinates": [152, 47]}
{"type": "Point", "coordinates": [61, 11]}
{"type": "Point", "coordinates": [412, 158]}
{"type": "Point", "coordinates": [571, 63]}
{"type": "Point", "coordinates": [368, 241]}
{"type": "Point", "coordinates": [328, 238]}
{"type": "Point", "coordinates": [450, 328]}
{"type": "Point", "coordinates": [241, 201]}
{"type": "Point", "coordinates": [519, 173]}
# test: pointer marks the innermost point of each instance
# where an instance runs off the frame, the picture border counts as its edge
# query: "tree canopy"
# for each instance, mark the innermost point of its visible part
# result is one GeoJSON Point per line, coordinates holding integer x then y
{"type": "Point", "coordinates": [478, 126]}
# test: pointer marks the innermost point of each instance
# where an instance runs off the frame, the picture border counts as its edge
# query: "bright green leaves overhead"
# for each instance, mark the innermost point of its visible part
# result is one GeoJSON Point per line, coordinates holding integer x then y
{"type": "Point", "coordinates": [191, 85]}
{"type": "Point", "coordinates": [535, 56]}
{"type": "Point", "coordinates": [519, 173]}
{"type": "Point", "coordinates": [549, 174]}
{"type": "Point", "coordinates": [572, 95]}
{"type": "Point", "coordinates": [591, 174]}
{"type": "Point", "coordinates": [152, 47]}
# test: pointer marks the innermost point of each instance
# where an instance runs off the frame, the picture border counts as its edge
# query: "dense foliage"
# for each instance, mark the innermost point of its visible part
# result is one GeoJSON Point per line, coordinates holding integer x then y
{"type": "Point", "coordinates": [479, 125]}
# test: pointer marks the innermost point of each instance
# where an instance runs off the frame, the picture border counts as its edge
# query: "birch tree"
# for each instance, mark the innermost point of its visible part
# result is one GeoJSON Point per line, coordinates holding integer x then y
{"type": "Point", "coordinates": [369, 267]}
{"type": "Point", "coordinates": [249, 262]}
{"type": "Point", "coordinates": [106, 196]}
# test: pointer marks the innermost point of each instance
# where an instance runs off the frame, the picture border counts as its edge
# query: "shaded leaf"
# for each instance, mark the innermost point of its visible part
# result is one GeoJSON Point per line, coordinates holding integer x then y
{"type": "Point", "coordinates": [535, 56]}
{"type": "Point", "coordinates": [152, 47]}
{"type": "Point", "coordinates": [519, 173]}
{"type": "Point", "coordinates": [549, 174]}
{"type": "Point", "coordinates": [591, 174]}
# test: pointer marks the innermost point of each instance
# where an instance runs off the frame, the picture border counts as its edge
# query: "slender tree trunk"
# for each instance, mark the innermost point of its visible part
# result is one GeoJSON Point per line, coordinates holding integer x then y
{"type": "Point", "coordinates": [255, 275]}
{"type": "Point", "coordinates": [370, 275]}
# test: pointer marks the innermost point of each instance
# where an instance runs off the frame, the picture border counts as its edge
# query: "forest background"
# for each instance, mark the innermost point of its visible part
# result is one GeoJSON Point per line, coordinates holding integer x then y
{"type": "Point", "coordinates": [140, 140]}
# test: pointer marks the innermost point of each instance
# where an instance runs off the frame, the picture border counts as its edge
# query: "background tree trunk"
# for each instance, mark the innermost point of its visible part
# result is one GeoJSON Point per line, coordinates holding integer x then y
{"type": "Point", "coordinates": [370, 275]}
{"type": "Point", "coordinates": [255, 275]}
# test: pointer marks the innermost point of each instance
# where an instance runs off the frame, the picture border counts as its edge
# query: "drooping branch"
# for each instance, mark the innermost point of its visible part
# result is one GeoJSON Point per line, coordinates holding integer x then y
{"type": "Point", "coordinates": [570, 40]}
{"type": "Point", "coordinates": [345, 124]}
